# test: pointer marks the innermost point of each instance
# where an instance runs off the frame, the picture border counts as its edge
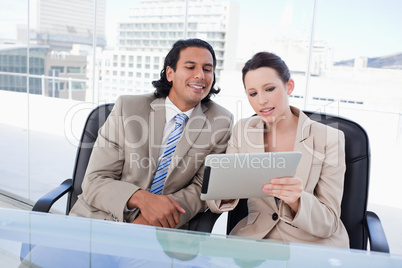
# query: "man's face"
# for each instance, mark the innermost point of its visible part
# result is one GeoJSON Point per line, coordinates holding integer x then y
{"type": "Point", "coordinates": [191, 82]}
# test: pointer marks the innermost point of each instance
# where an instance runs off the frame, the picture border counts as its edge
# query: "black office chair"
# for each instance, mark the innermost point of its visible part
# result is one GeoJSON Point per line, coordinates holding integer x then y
{"type": "Point", "coordinates": [72, 187]}
{"type": "Point", "coordinates": [95, 120]}
{"type": "Point", "coordinates": [361, 225]}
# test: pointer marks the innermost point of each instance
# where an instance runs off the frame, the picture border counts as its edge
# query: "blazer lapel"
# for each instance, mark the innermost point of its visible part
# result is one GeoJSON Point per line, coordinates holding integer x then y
{"type": "Point", "coordinates": [304, 143]}
{"type": "Point", "coordinates": [156, 124]}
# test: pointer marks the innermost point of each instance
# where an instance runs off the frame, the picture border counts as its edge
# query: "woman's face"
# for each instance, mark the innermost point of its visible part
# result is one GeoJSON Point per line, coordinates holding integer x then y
{"type": "Point", "coordinates": [267, 94]}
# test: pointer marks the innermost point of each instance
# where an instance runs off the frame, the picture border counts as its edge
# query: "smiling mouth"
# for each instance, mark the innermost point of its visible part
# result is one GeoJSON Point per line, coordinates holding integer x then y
{"type": "Point", "coordinates": [266, 110]}
{"type": "Point", "coordinates": [198, 87]}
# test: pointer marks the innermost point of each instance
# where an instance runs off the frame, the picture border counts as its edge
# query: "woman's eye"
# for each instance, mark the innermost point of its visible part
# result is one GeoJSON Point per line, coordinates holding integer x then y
{"type": "Point", "coordinates": [207, 70]}
{"type": "Point", "coordinates": [252, 94]}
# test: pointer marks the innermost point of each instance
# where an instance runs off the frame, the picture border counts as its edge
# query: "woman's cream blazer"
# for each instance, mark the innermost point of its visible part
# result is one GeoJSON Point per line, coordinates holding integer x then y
{"type": "Point", "coordinates": [321, 168]}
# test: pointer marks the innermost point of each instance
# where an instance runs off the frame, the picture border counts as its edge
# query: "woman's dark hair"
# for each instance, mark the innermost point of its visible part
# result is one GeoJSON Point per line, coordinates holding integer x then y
{"type": "Point", "coordinates": [163, 86]}
{"type": "Point", "coordinates": [267, 59]}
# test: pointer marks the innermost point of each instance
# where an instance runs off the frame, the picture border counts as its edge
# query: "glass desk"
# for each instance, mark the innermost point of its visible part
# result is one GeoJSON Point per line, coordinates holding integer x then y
{"type": "Point", "coordinates": [63, 241]}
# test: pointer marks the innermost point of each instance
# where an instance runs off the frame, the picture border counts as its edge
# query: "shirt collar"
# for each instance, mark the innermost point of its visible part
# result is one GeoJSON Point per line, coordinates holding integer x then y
{"type": "Point", "coordinates": [172, 110]}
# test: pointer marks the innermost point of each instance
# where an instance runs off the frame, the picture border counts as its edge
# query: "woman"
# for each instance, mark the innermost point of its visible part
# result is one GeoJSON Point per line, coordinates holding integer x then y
{"type": "Point", "coordinates": [305, 208]}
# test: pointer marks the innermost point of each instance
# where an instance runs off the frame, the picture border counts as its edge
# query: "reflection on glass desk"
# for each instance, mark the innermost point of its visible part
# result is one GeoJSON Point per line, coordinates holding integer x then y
{"type": "Point", "coordinates": [62, 241]}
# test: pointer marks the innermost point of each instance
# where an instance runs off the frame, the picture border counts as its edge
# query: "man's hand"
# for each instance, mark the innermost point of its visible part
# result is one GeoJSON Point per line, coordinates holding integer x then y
{"type": "Point", "coordinates": [156, 210]}
{"type": "Point", "coordinates": [141, 220]}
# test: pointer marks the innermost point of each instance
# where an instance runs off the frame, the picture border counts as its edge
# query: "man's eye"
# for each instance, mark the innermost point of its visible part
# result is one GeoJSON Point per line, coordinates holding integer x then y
{"type": "Point", "coordinates": [190, 67]}
{"type": "Point", "coordinates": [207, 70]}
{"type": "Point", "coordinates": [270, 89]}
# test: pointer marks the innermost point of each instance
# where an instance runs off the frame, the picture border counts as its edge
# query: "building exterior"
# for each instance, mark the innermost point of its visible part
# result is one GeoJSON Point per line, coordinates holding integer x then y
{"type": "Point", "coordinates": [60, 30]}
{"type": "Point", "coordinates": [66, 75]}
{"type": "Point", "coordinates": [128, 72]}
{"type": "Point", "coordinates": [13, 68]}
{"type": "Point", "coordinates": [58, 48]}
{"type": "Point", "coordinates": [51, 73]}
{"type": "Point", "coordinates": [149, 33]}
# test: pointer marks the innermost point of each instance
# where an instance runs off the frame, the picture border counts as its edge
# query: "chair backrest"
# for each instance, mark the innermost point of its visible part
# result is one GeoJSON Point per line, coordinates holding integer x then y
{"type": "Point", "coordinates": [355, 194]}
{"type": "Point", "coordinates": [95, 120]}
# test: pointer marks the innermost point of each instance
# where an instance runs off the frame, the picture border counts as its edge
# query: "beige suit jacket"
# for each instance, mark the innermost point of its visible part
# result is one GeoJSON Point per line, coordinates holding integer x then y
{"type": "Point", "coordinates": [125, 157]}
{"type": "Point", "coordinates": [321, 168]}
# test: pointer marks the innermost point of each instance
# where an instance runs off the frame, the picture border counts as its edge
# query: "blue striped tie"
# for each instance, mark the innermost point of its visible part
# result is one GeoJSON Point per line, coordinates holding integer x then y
{"type": "Point", "coordinates": [160, 175]}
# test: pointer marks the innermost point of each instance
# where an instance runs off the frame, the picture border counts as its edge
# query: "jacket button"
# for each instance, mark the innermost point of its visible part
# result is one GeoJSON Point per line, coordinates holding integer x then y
{"type": "Point", "coordinates": [275, 216]}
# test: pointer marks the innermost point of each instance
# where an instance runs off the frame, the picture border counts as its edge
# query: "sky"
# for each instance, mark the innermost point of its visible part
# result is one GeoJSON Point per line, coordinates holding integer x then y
{"type": "Point", "coordinates": [366, 27]}
{"type": "Point", "coordinates": [11, 14]}
{"type": "Point", "coordinates": [352, 27]}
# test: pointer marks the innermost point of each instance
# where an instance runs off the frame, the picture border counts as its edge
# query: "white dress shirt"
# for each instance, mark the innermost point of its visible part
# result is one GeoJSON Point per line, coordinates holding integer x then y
{"type": "Point", "coordinates": [171, 112]}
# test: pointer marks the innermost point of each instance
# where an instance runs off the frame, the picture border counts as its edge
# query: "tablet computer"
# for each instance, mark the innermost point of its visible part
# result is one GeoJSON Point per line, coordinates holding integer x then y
{"type": "Point", "coordinates": [229, 176]}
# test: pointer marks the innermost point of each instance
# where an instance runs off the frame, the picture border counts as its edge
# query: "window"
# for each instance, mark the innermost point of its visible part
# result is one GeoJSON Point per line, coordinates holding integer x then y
{"type": "Point", "coordinates": [60, 69]}
{"type": "Point", "coordinates": [75, 70]}
{"type": "Point", "coordinates": [78, 85]}
{"type": "Point", "coordinates": [351, 68]}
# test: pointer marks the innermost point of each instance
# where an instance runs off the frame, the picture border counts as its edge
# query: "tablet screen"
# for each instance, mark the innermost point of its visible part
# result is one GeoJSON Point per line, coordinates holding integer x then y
{"type": "Point", "coordinates": [228, 176]}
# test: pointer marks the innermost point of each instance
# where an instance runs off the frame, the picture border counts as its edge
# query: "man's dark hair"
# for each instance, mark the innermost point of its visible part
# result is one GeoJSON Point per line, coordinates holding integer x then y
{"type": "Point", "coordinates": [163, 86]}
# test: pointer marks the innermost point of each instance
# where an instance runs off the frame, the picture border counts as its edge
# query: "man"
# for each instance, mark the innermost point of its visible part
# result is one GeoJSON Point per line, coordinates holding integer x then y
{"type": "Point", "coordinates": [130, 175]}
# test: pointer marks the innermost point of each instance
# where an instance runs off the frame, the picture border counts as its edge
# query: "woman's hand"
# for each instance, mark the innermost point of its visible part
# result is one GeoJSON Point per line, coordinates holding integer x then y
{"type": "Point", "coordinates": [288, 189]}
